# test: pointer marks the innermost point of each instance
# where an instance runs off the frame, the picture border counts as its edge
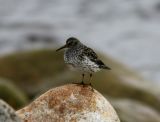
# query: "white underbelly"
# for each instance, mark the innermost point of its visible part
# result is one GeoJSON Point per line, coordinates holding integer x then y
{"type": "Point", "coordinates": [85, 65]}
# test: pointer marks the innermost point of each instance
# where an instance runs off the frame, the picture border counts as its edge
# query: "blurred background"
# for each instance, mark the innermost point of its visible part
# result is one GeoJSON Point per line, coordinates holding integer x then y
{"type": "Point", "coordinates": [126, 33]}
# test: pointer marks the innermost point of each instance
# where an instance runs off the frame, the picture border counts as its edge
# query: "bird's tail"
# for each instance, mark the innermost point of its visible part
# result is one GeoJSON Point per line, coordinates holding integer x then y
{"type": "Point", "coordinates": [105, 67]}
{"type": "Point", "coordinates": [102, 65]}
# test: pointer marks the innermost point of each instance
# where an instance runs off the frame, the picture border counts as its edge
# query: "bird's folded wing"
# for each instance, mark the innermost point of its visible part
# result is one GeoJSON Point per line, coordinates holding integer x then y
{"type": "Point", "coordinates": [93, 57]}
{"type": "Point", "coordinates": [90, 54]}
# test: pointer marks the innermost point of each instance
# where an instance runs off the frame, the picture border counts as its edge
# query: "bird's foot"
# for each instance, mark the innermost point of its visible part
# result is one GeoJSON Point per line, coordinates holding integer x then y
{"type": "Point", "coordinates": [91, 86]}
{"type": "Point", "coordinates": [85, 85]}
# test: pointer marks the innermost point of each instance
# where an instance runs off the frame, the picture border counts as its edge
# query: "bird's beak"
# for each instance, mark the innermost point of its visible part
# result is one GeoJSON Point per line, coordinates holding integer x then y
{"type": "Point", "coordinates": [61, 48]}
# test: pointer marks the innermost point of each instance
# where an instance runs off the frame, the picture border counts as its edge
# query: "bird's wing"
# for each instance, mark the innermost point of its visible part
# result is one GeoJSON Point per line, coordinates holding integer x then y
{"type": "Point", "coordinates": [93, 57]}
{"type": "Point", "coordinates": [90, 54]}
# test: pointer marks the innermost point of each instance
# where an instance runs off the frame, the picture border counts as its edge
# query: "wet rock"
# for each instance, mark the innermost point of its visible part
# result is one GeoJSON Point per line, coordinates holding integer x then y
{"type": "Point", "coordinates": [7, 114]}
{"type": "Point", "coordinates": [69, 103]}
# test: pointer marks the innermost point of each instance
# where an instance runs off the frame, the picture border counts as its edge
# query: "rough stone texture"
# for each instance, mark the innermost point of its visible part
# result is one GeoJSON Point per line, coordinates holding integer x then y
{"type": "Point", "coordinates": [69, 103]}
{"type": "Point", "coordinates": [7, 114]}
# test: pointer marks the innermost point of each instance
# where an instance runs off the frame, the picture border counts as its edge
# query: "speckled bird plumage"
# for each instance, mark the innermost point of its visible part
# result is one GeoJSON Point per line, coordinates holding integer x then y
{"type": "Point", "coordinates": [82, 57]}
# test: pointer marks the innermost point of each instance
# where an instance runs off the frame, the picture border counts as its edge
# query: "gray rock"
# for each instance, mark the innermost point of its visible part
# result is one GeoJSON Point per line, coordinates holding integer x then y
{"type": "Point", "coordinates": [7, 114]}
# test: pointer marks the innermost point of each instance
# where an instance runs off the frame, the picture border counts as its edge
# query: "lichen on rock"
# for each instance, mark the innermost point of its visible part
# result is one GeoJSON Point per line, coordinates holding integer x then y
{"type": "Point", "coordinates": [69, 103]}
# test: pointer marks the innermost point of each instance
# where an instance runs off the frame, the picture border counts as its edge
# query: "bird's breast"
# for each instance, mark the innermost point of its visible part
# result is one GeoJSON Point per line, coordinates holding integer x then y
{"type": "Point", "coordinates": [78, 61]}
{"type": "Point", "coordinates": [70, 56]}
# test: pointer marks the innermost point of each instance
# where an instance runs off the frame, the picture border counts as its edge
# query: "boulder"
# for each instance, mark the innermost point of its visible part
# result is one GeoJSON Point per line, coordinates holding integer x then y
{"type": "Point", "coordinates": [7, 114]}
{"type": "Point", "coordinates": [69, 103]}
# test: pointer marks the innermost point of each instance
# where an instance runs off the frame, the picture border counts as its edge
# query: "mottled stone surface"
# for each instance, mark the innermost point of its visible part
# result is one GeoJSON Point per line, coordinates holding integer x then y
{"type": "Point", "coordinates": [69, 103]}
{"type": "Point", "coordinates": [7, 114]}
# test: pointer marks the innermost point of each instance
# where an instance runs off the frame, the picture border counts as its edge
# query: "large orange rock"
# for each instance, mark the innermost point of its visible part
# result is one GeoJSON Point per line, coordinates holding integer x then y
{"type": "Point", "coordinates": [69, 103]}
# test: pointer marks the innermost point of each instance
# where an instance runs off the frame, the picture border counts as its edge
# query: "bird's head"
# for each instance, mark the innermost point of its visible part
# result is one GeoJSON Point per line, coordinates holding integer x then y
{"type": "Point", "coordinates": [71, 42]}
